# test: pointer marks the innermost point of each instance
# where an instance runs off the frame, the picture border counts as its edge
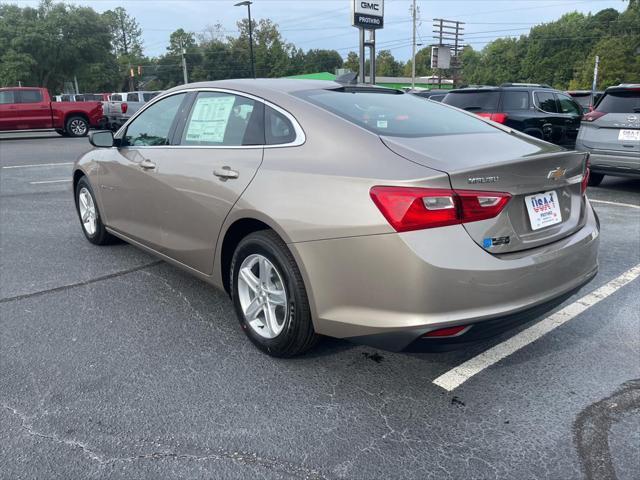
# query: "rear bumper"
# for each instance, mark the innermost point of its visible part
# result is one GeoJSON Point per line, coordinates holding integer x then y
{"type": "Point", "coordinates": [613, 163]}
{"type": "Point", "coordinates": [388, 290]}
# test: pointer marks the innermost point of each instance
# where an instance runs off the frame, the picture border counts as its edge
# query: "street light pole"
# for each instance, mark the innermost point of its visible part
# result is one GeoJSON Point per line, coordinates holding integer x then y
{"type": "Point", "coordinates": [248, 4]}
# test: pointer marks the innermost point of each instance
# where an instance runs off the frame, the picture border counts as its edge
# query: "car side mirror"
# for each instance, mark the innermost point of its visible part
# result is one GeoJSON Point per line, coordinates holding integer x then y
{"type": "Point", "coordinates": [101, 138]}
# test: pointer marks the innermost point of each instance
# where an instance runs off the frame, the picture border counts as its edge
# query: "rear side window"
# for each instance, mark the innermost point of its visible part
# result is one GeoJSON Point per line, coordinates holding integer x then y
{"type": "Point", "coordinates": [399, 115]}
{"type": "Point", "coordinates": [149, 96]}
{"type": "Point", "coordinates": [546, 101]}
{"type": "Point", "coordinates": [567, 105]}
{"type": "Point", "coordinates": [474, 101]}
{"type": "Point", "coordinates": [30, 96]}
{"type": "Point", "coordinates": [7, 96]}
{"type": "Point", "coordinates": [515, 101]}
{"type": "Point", "coordinates": [223, 119]}
{"type": "Point", "coordinates": [132, 97]}
{"type": "Point", "coordinates": [620, 102]}
{"type": "Point", "coordinates": [278, 129]}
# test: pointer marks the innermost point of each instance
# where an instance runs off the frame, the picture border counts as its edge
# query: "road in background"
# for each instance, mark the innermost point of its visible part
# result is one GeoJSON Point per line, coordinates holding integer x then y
{"type": "Point", "coordinates": [115, 365]}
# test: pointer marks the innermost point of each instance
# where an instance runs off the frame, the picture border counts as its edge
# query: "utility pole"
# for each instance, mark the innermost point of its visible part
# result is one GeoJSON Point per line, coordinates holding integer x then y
{"type": "Point", "coordinates": [125, 46]}
{"type": "Point", "coordinates": [449, 34]}
{"type": "Point", "coordinates": [594, 85]}
{"type": "Point", "coordinates": [184, 62]}
{"type": "Point", "coordinates": [413, 45]}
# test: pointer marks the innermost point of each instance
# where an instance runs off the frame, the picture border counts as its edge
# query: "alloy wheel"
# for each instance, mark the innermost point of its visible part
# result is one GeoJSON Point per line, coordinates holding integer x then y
{"type": "Point", "coordinates": [88, 213]}
{"type": "Point", "coordinates": [262, 296]}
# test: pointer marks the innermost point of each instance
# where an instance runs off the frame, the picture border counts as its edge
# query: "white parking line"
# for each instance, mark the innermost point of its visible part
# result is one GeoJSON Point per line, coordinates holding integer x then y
{"type": "Point", "coordinates": [615, 203]}
{"type": "Point", "coordinates": [456, 377]}
{"type": "Point", "coordinates": [38, 165]}
{"type": "Point", "coordinates": [66, 180]}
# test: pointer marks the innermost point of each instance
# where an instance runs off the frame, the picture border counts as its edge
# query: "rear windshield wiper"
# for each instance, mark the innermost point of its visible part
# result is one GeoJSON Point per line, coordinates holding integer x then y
{"type": "Point", "coordinates": [473, 108]}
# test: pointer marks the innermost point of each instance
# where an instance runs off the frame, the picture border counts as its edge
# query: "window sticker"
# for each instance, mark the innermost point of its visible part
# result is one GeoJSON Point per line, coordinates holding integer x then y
{"type": "Point", "coordinates": [209, 119]}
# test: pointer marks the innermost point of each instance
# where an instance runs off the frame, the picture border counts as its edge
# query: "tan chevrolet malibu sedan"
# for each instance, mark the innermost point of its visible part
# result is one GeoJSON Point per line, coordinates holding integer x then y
{"type": "Point", "coordinates": [350, 211]}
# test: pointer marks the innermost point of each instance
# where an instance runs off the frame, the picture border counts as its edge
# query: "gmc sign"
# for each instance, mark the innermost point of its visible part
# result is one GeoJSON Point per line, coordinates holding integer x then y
{"type": "Point", "coordinates": [368, 14]}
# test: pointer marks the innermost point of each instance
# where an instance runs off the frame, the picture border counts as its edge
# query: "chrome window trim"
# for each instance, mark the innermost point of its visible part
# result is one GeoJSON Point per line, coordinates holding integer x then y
{"type": "Point", "coordinates": [533, 93]}
{"type": "Point", "coordinates": [300, 137]}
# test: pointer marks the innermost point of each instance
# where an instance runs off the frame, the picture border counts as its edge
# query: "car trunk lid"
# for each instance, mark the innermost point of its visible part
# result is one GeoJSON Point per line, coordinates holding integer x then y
{"type": "Point", "coordinates": [511, 163]}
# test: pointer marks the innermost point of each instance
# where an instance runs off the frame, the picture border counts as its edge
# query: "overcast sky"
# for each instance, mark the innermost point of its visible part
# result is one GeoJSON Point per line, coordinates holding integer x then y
{"type": "Point", "coordinates": [327, 23]}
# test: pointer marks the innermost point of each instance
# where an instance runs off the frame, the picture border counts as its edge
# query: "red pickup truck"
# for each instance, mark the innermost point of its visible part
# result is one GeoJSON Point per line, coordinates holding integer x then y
{"type": "Point", "coordinates": [28, 108]}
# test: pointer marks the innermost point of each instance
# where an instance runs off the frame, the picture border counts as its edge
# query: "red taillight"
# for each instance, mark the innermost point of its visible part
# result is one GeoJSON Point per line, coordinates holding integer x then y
{"type": "Point", "coordinates": [124, 107]}
{"type": "Point", "coordinates": [446, 332]}
{"type": "Point", "coordinates": [413, 208]}
{"type": "Point", "coordinates": [585, 177]}
{"type": "Point", "coordinates": [593, 115]}
{"type": "Point", "coordinates": [496, 117]}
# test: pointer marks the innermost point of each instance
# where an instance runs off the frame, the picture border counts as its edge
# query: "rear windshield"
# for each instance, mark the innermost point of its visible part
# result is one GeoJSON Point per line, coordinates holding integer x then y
{"type": "Point", "coordinates": [474, 101]}
{"type": "Point", "coordinates": [395, 114]}
{"type": "Point", "coordinates": [620, 102]}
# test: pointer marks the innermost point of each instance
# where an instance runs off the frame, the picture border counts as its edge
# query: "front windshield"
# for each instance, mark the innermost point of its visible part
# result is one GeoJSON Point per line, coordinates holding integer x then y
{"type": "Point", "coordinates": [395, 114]}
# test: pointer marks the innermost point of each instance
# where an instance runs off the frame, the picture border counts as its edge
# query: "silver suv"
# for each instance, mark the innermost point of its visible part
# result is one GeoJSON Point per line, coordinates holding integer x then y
{"type": "Point", "coordinates": [612, 134]}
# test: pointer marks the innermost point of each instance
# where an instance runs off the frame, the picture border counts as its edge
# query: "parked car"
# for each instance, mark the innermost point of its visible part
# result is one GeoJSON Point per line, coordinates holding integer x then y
{"type": "Point", "coordinates": [612, 134]}
{"type": "Point", "coordinates": [27, 108]}
{"type": "Point", "coordinates": [350, 211]}
{"type": "Point", "coordinates": [435, 95]}
{"type": "Point", "coordinates": [537, 110]}
{"type": "Point", "coordinates": [121, 106]}
{"type": "Point", "coordinates": [585, 98]}
{"type": "Point", "coordinates": [82, 97]}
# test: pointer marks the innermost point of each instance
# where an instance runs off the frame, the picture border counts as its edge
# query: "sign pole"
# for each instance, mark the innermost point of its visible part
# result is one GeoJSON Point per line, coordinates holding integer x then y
{"type": "Point", "coordinates": [369, 16]}
{"type": "Point", "coordinates": [361, 58]}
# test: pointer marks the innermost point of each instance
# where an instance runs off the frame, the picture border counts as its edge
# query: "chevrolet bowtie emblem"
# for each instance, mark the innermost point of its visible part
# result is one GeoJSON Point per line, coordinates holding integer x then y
{"type": "Point", "coordinates": [557, 173]}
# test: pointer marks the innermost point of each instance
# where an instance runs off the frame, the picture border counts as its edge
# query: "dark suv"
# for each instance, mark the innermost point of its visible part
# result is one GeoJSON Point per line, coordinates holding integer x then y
{"type": "Point", "coordinates": [537, 110]}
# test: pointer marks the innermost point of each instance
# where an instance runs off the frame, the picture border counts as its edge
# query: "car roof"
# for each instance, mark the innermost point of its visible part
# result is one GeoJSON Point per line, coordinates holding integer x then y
{"type": "Point", "coordinates": [262, 86]}
{"type": "Point", "coordinates": [623, 87]}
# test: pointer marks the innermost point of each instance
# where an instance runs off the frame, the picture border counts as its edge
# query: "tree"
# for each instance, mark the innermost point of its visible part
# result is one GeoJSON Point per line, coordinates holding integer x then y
{"type": "Point", "coordinates": [423, 63]}
{"type": "Point", "coordinates": [318, 60]}
{"type": "Point", "coordinates": [50, 44]}
{"type": "Point", "coordinates": [126, 34]}
{"type": "Point", "coordinates": [352, 62]}
{"type": "Point", "coordinates": [386, 64]}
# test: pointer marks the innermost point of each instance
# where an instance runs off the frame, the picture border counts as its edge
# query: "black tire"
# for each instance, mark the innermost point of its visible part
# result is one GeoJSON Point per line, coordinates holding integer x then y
{"type": "Point", "coordinates": [595, 179]}
{"type": "Point", "coordinates": [298, 334]}
{"type": "Point", "coordinates": [76, 126]}
{"type": "Point", "coordinates": [100, 236]}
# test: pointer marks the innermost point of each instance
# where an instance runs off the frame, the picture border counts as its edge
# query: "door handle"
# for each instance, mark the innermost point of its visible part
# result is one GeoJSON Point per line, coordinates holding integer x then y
{"type": "Point", "coordinates": [147, 164]}
{"type": "Point", "coordinates": [225, 173]}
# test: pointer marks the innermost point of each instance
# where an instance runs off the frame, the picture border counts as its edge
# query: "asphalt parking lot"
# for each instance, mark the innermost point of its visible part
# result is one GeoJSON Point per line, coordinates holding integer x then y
{"type": "Point", "coordinates": [115, 365]}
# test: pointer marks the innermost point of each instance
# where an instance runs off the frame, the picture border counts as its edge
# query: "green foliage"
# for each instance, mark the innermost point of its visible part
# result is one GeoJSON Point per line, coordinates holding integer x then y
{"type": "Point", "coordinates": [562, 53]}
{"type": "Point", "coordinates": [47, 45]}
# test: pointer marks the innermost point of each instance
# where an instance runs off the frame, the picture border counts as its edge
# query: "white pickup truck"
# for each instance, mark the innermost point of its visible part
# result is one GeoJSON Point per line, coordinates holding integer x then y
{"type": "Point", "coordinates": [121, 106]}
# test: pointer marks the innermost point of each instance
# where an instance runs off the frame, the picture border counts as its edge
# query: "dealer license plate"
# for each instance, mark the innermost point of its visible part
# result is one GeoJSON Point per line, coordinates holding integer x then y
{"type": "Point", "coordinates": [543, 209]}
{"type": "Point", "coordinates": [629, 135]}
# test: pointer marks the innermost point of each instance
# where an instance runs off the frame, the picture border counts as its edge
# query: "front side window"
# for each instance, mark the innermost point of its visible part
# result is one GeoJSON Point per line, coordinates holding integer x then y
{"type": "Point", "coordinates": [546, 101]}
{"type": "Point", "coordinates": [396, 114]}
{"type": "Point", "coordinates": [153, 126]}
{"type": "Point", "coordinates": [567, 105]}
{"type": "Point", "coordinates": [515, 101]}
{"type": "Point", "coordinates": [30, 96]}
{"type": "Point", "coordinates": [223, 119]}
{"type": "Point", "coordinates": [7, 96]}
